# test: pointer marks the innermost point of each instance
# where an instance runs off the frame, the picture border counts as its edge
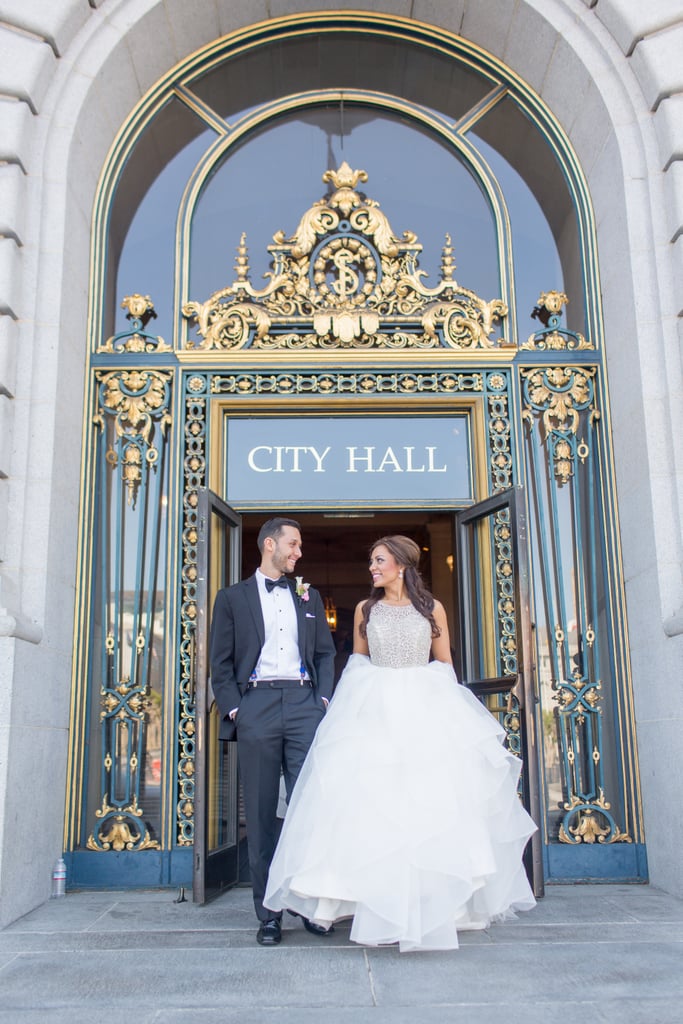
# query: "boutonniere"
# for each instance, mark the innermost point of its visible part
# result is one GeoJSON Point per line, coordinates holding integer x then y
{"type": "Point", "coordinates": [302, 588]}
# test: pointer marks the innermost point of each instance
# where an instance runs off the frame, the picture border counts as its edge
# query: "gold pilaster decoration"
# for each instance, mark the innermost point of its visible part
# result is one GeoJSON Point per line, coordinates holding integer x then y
{"type": "Point", "coordinates": [560, 394]}
{"type": "Point", "coordinates": [559, 391]}
{"type": "Point", "coordinates": [138, 401]}
{"type": "Point", "coordinates": [195, 476]}
{"type": "Point", "coordinates": [499, 431]}
{"type": "Point", "coordinates": [344, 279]}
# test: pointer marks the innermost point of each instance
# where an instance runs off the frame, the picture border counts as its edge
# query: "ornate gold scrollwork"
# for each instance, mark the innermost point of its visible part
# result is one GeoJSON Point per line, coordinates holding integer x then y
{"type": "Point", "coordinates": [345, 280]}
{"type": "Point", "coordinates": [118, 831]}
{"type": "Point", "coordinates": [558, 390]}
{"type": "Point", "coordinates": [588, 827]}
{"type": "Point", "coordinates": [467, 322]}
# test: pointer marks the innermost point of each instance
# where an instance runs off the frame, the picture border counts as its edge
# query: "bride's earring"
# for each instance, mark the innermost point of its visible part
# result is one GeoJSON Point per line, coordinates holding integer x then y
{"type": "Point", "coordinates": [400, 574]}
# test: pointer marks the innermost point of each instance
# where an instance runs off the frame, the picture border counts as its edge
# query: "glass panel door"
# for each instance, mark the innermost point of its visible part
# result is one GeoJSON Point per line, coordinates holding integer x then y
{"type": "Point", "coordinates": [495, 634]}
{"type": "Point", "coordinates": [216, 846]}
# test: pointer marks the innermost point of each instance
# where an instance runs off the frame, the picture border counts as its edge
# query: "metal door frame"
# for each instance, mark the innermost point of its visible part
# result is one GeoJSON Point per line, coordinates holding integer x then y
{"type": "Point", "coordinates": [222, 867]}
{"type": "Point", "coordinates": [522, 685]}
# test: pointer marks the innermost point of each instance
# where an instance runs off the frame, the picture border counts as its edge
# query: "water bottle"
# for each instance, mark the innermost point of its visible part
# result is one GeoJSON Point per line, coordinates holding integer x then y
{"type": "Point", "coordinates": [59, 879]}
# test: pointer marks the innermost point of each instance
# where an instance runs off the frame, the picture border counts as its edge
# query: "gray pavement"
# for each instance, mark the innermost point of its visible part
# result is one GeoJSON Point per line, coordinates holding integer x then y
{"type": "Point", "coordinates": [599, 953]}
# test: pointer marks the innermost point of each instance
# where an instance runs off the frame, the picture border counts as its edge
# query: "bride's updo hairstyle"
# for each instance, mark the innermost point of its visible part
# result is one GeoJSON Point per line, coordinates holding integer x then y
{"type": "Point", "coordinates": [407, 555]}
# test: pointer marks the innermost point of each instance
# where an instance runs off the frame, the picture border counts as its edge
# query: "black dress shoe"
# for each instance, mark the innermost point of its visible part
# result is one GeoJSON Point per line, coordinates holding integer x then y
{"type": "Point", "coordinates": [314, 929]}
{"type": "Point", "coordinates": [270, 933]}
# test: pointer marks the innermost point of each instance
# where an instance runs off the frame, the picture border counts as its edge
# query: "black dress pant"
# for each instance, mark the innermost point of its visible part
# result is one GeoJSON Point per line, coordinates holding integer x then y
{"type": "Point", "coordinates": [275, 728]}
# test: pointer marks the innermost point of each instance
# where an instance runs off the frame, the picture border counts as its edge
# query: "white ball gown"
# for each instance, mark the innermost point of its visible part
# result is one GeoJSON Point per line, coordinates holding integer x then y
{"type": "Point", "coordinates": [405, 815]}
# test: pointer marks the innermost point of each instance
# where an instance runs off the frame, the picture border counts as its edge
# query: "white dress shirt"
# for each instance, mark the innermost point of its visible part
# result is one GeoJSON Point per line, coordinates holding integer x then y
{"type": "Point", "coordinates": [280, 657]}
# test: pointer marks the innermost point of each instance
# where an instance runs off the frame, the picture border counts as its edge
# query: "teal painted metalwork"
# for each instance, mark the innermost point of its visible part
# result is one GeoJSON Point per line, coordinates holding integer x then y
{"type": "Point", "coordinates": [195, 404]}
{"type": "Point", "coordinates": [135, 338]}
{"type": "Point", "coordinates": [132, 420]}
{"type": "Point", "coordinates": [563, 448]}
{"type": "Point", "coordinates": [198, 390]}
{"type": "Point", "coordinates": [554, 336]}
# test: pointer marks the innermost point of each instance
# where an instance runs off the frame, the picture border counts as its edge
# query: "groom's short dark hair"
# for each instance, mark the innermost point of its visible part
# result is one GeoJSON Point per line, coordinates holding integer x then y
{"type": "Point", "coordinates": [273, 528]}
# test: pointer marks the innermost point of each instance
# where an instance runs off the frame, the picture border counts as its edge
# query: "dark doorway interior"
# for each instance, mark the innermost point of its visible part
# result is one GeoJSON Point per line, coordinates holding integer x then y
{"type": "Point", "coordinates": [335, 557]}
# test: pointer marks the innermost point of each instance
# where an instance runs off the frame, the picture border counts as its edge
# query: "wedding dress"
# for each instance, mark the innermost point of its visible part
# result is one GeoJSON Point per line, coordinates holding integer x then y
{"type": "Point", "coordinates": [405, 815]}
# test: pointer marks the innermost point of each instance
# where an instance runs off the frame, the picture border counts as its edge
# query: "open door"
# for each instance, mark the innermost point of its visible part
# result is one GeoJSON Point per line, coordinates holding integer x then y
{"type": "Point", "coordinates": [216, 844]}
{"type": "Point", "coordinates": [496, 644]}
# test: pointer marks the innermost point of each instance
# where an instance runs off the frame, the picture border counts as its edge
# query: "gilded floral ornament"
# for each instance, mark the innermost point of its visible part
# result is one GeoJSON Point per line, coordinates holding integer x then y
{"type": "Point", "coordinates": [138, 306]}
{"type": "Point", "coordinates": [345, 181]}
{"type": "Point", "coordinates": [561, 391]}
{"type": "Point", "coordinates": [138, 401]}
{"type": "Point", "coordinates": [344, 279]}
{"type": "Point", "coordinates": [135, 395]}
{"type": "Point", "coordinates": [120, 830]}
{"type": "Point", "coordinates": [560, 395]}
{"type": "Point", "coordinates": [136, 339]}
{"type": "Point", "coordinates": [589, 827]}
{"type": "Point", "coordinates": [553, 337]}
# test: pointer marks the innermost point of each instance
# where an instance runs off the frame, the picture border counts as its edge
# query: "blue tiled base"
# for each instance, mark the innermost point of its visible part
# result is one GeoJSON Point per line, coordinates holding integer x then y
{"type": "Point", "coordinates": [148, 869]}
{"type": "Point", "coordinates": [619, 862]}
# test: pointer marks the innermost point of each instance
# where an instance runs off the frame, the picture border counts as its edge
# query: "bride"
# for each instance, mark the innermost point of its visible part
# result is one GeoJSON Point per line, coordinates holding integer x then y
{"type": "Point", "coordinates": [405, 816]}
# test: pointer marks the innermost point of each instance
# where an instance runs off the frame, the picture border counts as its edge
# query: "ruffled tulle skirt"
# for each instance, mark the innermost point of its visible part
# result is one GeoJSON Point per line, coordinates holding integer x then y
{"type": "Point", "coordinates": [405, 816]}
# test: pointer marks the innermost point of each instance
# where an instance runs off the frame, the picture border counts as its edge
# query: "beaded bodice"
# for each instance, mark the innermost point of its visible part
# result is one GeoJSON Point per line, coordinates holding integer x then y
{"type": "Point", "coordinates": [398, 636]}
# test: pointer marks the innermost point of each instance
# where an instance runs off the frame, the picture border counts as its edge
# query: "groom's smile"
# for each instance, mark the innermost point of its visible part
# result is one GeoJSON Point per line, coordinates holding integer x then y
{"type": "Point", "coordinates": [287, 550]}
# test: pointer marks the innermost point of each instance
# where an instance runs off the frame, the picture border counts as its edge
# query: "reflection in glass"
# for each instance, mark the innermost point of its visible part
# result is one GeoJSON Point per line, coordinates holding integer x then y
{"type": "Point", "coordinates": [535, 254]}
{"type": "Point", "coordinates": [141, 239]}
{"type": "Point", "coordinates": [480, 628]}
{"type": "Point", "coordinates": [221, 804]}
{"type": "Point", "coordinates": [523, 150]}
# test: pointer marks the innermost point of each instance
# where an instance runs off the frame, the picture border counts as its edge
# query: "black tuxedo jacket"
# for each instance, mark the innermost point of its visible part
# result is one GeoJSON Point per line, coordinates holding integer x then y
{"type": "Point", "coordinates": [238, 634]}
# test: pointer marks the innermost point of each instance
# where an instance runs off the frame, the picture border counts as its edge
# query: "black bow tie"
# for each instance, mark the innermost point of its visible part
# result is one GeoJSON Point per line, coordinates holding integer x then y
{"type": "Point", "coordinates": [280, 582]}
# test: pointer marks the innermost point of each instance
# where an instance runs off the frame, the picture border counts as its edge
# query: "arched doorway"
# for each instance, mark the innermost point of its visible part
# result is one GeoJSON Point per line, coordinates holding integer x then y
{"type": "Point", "coordinates": [163, 408]}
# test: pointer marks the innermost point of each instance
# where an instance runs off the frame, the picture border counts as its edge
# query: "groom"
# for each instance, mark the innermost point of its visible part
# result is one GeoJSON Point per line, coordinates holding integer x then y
{"type": "Point", "coordinates": [272, 671]}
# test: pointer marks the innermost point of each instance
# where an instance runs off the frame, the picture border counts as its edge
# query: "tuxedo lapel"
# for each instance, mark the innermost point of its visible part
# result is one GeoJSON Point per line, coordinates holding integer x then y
{"type": "Point", "coordinates": [254, 602]}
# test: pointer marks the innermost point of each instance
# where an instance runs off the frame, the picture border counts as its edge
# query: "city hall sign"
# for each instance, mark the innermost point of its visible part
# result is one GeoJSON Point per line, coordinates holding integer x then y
{"type": "Point", "coordinates": [314, 461]}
